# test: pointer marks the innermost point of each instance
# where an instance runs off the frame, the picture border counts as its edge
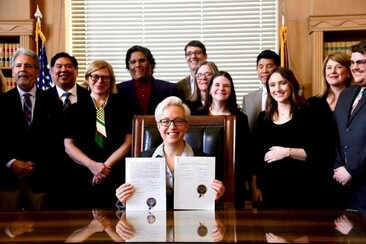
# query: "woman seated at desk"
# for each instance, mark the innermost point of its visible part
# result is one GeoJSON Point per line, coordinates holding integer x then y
{"type": "Point", "coordinates": [172, 121]}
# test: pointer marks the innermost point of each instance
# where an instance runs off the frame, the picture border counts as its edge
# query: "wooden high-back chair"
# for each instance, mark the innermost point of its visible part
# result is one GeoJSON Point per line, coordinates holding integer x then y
{"type": "Point", "coordinates": [214, 135]}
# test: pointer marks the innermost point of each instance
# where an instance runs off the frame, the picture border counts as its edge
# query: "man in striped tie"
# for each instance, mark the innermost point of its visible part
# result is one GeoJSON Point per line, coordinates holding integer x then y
{"type": "Point", "coordinates": [31, 138]}
{"type": "Point", "coordinates": [64, 71]}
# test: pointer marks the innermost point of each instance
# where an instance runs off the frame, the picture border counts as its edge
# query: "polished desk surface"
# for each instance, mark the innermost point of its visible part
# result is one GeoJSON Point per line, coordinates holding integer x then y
{"type": "Point", "coordinates": [228, 225]}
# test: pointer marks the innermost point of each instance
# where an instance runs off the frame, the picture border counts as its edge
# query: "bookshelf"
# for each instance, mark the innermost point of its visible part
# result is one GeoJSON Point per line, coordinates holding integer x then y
{"type": "Point", "coordinates": [332, 33]}
{"type": "Point", "coordinates": [14, 34]}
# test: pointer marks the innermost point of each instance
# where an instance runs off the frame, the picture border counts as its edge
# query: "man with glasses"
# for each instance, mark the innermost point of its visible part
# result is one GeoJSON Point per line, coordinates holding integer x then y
{"type": "Point", "coordinates": [143, 93]}
{"type": "Point", "coordinates": [350, 118]}
{"type": "Point", "coordinates": [195, 53]}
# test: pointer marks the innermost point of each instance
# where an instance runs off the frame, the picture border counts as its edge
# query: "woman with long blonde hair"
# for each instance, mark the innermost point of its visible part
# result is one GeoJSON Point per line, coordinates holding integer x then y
{"type": "Point", "coordinates": [336, 77]}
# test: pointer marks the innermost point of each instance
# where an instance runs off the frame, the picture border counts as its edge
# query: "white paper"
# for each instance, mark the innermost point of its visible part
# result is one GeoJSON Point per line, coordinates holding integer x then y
{"type": "Point", "coordinates": [194, 226]}
{"type": "Point", "coordinates": [193, 177]}
{"type": "Point", "coordinates": [148, 226]}
{"type": "Point", "coordinates": [147, 175]}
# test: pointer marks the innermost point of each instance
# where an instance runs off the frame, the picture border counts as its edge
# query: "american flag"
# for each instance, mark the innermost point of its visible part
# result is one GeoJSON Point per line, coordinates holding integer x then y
{"type": "Point", "coordinates": [44, 80]}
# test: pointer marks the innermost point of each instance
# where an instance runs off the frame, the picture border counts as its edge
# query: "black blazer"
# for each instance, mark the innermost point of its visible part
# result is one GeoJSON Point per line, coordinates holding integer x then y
{"type": "Point", "coordinates": [81, 92]}
{"type": "Point", "coordinates": [351, 150]}
{"type": "Point", "coordinates": [42, 145]}
{"type": "Point", "coordinates": [160, 90]}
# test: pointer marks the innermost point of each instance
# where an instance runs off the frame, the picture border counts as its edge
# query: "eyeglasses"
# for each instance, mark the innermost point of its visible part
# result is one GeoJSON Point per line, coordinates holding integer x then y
{"type": "Point", "coordinates": [140, 60]}
{"type": "Point", "coordinates": [195, 53]}
{"type": "Point", "coordinates": [206, 75]}
{"type": "Point", "coordinates": [360, 63]}
{"type": "Point", "coordinates": [95, 78]}
{"type": "Point", "coordinates": [177, 122]}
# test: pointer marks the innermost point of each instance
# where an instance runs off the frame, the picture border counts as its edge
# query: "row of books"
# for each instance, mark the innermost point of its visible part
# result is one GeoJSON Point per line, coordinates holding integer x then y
{"type": "Point", "coordinates": [331, 47]}
{"type": "Point", "coordinates": [9, 83]}
{"type": "Point", "coordinates": [6, 52]}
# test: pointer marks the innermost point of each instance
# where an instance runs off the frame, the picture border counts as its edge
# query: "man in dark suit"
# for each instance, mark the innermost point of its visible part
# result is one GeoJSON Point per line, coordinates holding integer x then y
{"type": "Point", "coordinates": [195, 53]}
{"type": "Point", "coordinates": [143, 93]}
{"type": "Point", "coordinates": [64, 71]}
{"type": "Point", "coordinates": [350, 117]}
{"type": "Point", "coordinates": [31, 138]}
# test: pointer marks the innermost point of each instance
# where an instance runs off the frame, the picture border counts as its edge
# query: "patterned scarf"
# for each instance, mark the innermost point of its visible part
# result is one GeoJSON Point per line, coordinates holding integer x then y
{"type": "Point", "coordinates": [100, 132]}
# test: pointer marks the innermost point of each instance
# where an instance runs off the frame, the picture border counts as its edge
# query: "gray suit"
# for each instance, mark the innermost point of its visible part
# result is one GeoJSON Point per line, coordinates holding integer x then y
{"type": "Point", "coordinates": [351, 150]}
{"type": "Point", "coordinates": [185, 91]}
{"type": "Point", "coordinates": [252, 106]}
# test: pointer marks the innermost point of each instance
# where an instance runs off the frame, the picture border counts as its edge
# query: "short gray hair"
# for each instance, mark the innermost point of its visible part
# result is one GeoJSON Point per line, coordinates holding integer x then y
{"type": "Point", "coordinates": [26, 52]}
{"type": "Point", "coordinates": [171, 101]}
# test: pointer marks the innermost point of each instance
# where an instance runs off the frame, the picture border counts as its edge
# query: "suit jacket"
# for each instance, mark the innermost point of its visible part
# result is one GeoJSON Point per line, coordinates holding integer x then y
{"type": "Point", "coordinates": [42, 146]}
{"type": "Point", "coordinates": [81, 92]}
{"type": "Point", "coordinates": [68, 167]}
{"type": "Point", "coordinates": [351, 149]}
{"type": "Point", "coordinates": [252, 106]}
{"type": "Point", "coordinates": [184, 90]}
{"type": "Point", "coordinates": [160, 90]}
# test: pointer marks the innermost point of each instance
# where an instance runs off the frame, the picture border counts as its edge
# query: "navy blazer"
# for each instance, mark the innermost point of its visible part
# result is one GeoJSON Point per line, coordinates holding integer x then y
{"type": "Point", "coordinates": [160, 90]}
{"type": "Point", "coordinates": [351, 149]}
{"type": "Point", "coordinates": [42, 146]}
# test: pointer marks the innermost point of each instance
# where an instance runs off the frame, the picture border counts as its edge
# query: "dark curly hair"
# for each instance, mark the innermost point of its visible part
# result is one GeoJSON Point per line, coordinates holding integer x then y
{"type": "Point", "coordinates": [147, 53]}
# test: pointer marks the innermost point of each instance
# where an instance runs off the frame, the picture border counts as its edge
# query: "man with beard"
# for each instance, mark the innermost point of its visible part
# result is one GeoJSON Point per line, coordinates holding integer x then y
{"type": "Point", "coordinates": [31, 140]}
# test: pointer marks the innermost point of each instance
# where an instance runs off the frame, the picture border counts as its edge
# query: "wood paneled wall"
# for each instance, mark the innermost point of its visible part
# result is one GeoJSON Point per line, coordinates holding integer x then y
{"type": "Point", "coordinates": [297, 14]}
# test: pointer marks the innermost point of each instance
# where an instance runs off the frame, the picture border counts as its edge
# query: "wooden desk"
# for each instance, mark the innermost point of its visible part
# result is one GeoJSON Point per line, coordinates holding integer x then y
{"type": "Point", "coordinates": [227, 225]}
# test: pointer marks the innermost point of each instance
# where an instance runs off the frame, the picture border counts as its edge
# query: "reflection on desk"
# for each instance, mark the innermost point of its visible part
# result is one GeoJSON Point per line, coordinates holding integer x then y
{"type": "Point", "coordinates": [229, 225]}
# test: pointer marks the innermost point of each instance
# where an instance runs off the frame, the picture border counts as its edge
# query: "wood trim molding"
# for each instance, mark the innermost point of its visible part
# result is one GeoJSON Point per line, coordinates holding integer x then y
{"type": "Point", "coordinates": [339, 22]}
{"type": "Point", "coordinates": [17, 27]}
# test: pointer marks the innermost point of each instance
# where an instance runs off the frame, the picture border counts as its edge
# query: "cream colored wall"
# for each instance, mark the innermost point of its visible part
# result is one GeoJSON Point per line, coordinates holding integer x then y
{"type": "Point", "coordinates": [15, 9]}
{"type": "Point", "coordinates": [296, 14]}
{"type": "Point", "coordinates": [337, 7]}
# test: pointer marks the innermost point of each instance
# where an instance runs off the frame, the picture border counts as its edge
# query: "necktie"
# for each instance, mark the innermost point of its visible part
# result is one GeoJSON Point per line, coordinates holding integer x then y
{"type": "Point", "coordinates": [67, 102]}
{"type": "Point", "coordinates": [358, 99]}
{"type": "Point", "coordinates": [27, 109]}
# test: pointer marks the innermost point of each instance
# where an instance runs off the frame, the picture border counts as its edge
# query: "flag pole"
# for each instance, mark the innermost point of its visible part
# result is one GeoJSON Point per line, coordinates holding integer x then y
{"type": "Point", "coordinates": [44, 80]}
{"type": "Point", "coordinates": [283, 37]}
{"type": "Point", "coordinates": [38, 33]}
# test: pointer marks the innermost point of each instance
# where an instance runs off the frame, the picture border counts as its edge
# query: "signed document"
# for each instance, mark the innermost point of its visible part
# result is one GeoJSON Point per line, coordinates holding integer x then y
{"type": "Point", "coordinates": [193, 177]}
{"type": "Point", "coordinates": [147, 175]}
